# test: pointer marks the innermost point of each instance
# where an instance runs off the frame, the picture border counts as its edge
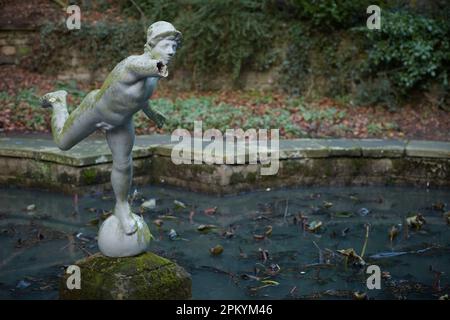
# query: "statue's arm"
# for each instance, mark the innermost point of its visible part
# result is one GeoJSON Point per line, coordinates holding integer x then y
{"type": "Point", "coordinates": [147, 68]}
{"type": "Point", "coordinates": [155, 115]}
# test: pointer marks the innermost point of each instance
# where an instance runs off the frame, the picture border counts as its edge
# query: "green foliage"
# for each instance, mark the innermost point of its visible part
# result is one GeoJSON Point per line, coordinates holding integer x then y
{"type": "Point", "coordinates": [330, 14]}
{"type": "Point", "coordinates": [224, 36]}
{"type": "Point", "coordinates": [182, 113]}
{"type": "Point", "coordinates": [322, 47]}
{"type": "Point", "coordinates": [411, 50]}
{"type": "Point", "coordinates": [100, 45]}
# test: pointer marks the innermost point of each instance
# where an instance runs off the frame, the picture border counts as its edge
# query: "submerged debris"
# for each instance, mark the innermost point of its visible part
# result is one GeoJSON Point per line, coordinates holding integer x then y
{"type": "Point", "coordinates": [447, 217]}
{"type": "Point", "coordinates": [439, 206]}
{"type": "Point", "coordinates": [215, 251]}
{"type": "Point", "coordinates": [173, 235]}
{"type": "Point", "coordinates": [23, 284]}
{"type": "Point", "coordinates": [242, 254]}
{"type": "Point", "coordinates": [390, 254]}
{"type": "Point", "coordinates": [352, 257]}
{"type": "Point", "coordinates": [268, 232]}
{"type": "Point", "coordinates": [158, 222]}
{"type": "Point", "coordinates": [416, 221]}
{"type": "Point", "coordinates": [343, 214]}
{"type": "Point", "coordinates": [210, 211]}
{"type": "Point", "coordinates": [264, 254]}
{"type": "Point", "coordinates": [149, 204]}
{"type": "Point", "coordinates": [393, 233]}
{"type": "Point", "coordinates": [363, 212]}
{"type": "Point", "coordinates": [228, 234]}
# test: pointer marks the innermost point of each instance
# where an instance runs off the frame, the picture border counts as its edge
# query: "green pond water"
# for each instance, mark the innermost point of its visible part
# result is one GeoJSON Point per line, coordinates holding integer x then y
{"type": "Point", "coordinates": [35, 245]}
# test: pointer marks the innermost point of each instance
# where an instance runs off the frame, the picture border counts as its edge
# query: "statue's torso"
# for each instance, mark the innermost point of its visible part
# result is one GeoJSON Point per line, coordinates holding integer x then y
{"type": "Point", "coordinates": [123, 94]}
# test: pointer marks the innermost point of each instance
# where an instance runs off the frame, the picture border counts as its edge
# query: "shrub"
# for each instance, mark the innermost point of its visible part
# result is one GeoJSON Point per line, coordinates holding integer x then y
{"type": "Point", "coordinates": [412, 50]}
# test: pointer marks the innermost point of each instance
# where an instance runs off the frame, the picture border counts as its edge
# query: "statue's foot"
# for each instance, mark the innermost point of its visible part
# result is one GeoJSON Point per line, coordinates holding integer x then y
{"type": "Point", "coordinates": [54, 98]}
{"type": "Point", "coordinates": [127, 221]}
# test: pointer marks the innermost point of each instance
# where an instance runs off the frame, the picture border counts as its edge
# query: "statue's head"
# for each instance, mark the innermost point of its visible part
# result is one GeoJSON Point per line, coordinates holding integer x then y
{"type": "Point", "coordinates": [162, 41]}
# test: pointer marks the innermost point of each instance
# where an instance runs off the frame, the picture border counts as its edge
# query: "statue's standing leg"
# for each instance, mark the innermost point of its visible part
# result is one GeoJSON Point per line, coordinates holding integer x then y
{"type": "Point", "coordinates": [121, 140]}
{"type": "Point", "coordinates": [68, 130]}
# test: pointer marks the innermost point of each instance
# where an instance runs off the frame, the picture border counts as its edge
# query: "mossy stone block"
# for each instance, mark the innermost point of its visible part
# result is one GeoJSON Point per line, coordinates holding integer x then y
{"type": "Point", "coordinates": [143, 277]}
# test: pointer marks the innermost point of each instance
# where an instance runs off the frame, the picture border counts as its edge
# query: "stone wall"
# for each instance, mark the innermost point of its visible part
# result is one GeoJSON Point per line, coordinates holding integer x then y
{"type": "Point", "coordinates": [15, 45]}
{"type": "Point", "coordinates": [29, 162]}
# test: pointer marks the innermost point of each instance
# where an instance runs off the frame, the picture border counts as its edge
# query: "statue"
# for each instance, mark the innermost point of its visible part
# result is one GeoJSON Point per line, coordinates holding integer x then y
{"type": "Point", "coordinates": [125, 91]}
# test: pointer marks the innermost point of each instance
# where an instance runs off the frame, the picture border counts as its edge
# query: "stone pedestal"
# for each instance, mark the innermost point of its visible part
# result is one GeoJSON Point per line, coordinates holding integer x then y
{"type": "Point", "coordinates": [146, 276]}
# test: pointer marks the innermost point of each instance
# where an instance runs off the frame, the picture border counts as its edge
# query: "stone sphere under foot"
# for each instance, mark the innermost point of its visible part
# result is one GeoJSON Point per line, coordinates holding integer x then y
{"type": "Point", "coordinates": [114, 242]}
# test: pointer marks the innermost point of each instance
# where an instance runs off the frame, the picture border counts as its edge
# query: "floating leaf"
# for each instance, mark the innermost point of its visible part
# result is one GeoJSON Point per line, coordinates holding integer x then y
{"type": "Point", "coordinates": [179, 204]}
{"type": "Point", "coordinates": [249, 276]}
{"type": "Point", "coordinates": [359, 295]}
{"type": "Point", "coordinates": [327, 204]}
{"type": "Point", "coordinates": [268, 232]}
{"type": "Point", "coordinates": [259, 236]}
{"type": "Point", "coordinates": [167, 217]}
{"type": "Point", "coordinates": [416, 221]}
{"type": "Point", "coordinates": [343, 214]}
{"type": "Point", "coordinates": [314, 226]}
{"type": "Point", "coordinates": [206, 227]}
{"type": "Point", "coordinates": [270, 282]}
{"type": "Point", "coordinates": [218, 249]}
{"type": "Point", "coordinates": [352, 255]}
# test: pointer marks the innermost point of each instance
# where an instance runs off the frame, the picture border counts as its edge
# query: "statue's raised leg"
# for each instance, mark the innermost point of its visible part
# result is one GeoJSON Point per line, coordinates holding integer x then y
{"type": "Point", "coordinates": [67, 129]}
{"type": "Point", "coordinates": [121, 140]}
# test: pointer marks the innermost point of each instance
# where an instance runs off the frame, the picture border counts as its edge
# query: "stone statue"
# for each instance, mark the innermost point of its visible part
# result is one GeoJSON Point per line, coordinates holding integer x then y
{"type": "Point", "coordinates": [126, 90]}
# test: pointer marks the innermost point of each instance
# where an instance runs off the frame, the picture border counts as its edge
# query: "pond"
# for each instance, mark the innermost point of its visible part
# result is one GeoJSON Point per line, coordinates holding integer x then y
{"type": "Point", "coordinates": [270, 250]}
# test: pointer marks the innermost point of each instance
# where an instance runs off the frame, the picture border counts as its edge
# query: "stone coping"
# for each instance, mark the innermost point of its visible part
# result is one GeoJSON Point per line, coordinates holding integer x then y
{"type": "Point", "coordinates": [96, 151]}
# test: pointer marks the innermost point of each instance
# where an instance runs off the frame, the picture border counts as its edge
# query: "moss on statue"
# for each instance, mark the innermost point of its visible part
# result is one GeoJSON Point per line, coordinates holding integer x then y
{"type": "Point", "coordinates": [146, 276]}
